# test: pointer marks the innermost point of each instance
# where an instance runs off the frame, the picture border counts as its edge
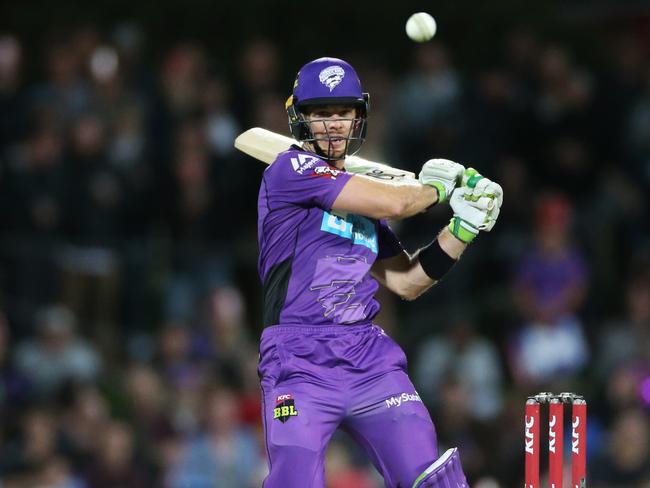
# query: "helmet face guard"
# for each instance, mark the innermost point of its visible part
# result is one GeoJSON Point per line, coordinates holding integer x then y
{"type": "Point", "coordinates": [302, 130]}
{"type": "Point", "coordinates": [325, 82]}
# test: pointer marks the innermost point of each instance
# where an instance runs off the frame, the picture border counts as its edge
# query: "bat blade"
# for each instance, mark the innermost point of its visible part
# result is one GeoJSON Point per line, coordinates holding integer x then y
{"type": "Point", "coordinates": [265, 145]}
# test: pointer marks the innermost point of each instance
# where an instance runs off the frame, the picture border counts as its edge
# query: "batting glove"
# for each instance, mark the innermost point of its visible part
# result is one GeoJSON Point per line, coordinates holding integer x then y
{"type": "Point", "coordinates": [472, 216]}
{"type": "Point", "coordinates": [442, 174]}
{"type": "Point", "coordinates": [476, 187]}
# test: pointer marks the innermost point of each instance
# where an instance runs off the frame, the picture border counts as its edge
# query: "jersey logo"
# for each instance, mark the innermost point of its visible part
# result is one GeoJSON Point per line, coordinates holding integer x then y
{"type": "Point", "coordinates": [334, 280]}
{"type": "Point", "coordinates": [285, 408]}
{"type": "Point", "coordinates": [396, 401]}
{"type": "Point", "coordinates": [326, 172]}
{"type": "Point", "coordinates": [331, 76]}
{"type": "Point", "coordinates": [303, 162]}
{"type": "Point", "coordinates": [355, 227]}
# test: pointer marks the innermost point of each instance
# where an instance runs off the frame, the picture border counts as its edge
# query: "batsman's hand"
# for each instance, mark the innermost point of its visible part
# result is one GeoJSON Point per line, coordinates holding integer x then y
{"type": "Point", "coordinates": [476, 208]}
{"type": "Point", "coordinates": [477, 186]}
{"type": "Point", "coordinates": [442, 174]}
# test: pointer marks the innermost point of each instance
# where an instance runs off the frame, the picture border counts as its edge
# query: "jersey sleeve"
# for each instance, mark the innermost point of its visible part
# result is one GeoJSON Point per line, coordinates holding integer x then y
{"type": "Point", "coordinates": [389, 244]}
{"type": "Point", "coordinates": [301, 178]}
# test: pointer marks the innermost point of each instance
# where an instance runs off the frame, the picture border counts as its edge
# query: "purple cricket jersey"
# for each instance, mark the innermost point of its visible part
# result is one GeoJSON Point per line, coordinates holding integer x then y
{"type": "Point", "coordinates": [314, 262]}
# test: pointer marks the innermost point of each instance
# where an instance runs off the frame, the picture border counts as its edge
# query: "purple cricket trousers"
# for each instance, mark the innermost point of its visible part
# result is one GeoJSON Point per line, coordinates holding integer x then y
{"type": "Point", "coordinates": [317, 379]}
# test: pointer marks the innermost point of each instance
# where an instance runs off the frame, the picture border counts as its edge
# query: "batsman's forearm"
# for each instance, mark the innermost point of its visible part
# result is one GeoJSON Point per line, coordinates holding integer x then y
{"type": "Point", "coordinates": [419, 275]}
{"type": "Point", "coordinates": [373, 198]}
{"type": "Point", "coordinates": [403, 275]}
{"type": "Point", "coordinates": [414, 199]}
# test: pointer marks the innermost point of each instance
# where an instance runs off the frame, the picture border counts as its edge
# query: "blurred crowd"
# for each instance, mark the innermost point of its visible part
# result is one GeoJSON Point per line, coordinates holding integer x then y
{"type": "Point", "coordinates": [129, 302]}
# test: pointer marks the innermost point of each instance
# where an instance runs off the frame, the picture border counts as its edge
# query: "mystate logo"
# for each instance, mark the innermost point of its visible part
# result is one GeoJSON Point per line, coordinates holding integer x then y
{"type": "Point", "coordinates": [396, 401]}
{"type": "Point", "coordinates": [303, 162]}
{"type": "Point", "coordinates": [331, 76]}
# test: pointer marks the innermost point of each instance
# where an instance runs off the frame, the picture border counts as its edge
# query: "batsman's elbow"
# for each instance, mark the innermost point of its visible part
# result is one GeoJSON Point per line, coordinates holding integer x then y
{"type": "Point", "coordinates": [398, 208]}
{"type": "Point", "coordinates": [409, 297]}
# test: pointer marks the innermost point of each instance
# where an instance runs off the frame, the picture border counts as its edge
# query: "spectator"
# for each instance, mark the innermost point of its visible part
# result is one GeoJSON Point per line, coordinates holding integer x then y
{"type": "Point", "coordinates": [625, 460]}
{"type": "Point", "coordinates": [84, 415]}
{"type": "Point", "coordinates": [99, 194]}
{"type": "Point", "coordinates": [37, 443]}
{"type": "Point", "coordinates": [258, 77]}
{"type": "Point", "coordinates": [220, 125]}
{"type": "Point", "coordinates": [549, 287]}
{"type": "Point", "coordinates": [149, 413]}
{"type": "Point", "coordinates": [200, 259]}
{"type": "Point", "coordinates": [56, 472]}
{"type": "Point", "coordinates": [467, 357]}
{"type": "Point", "coordinates": [638, 135]}
{"type": "Point", "coordinates": [224, 454]}
{"type": "Point", "coordinates": [492, 120]}
{"type": "Point", "coordinates": [341, 472]}
{"type": "Point", "coordinates": [176, 360]}
{"type": "Point", "coordinates": [12, 99]}
{"type": "Point", "coordinates": [426, 104]}
{"type": "Point", "coordinates": [57, 355]}
{"type": "Point", "coordinates": [457, 425]}
{"type": "Point", "coordinates": [227, 321]}
{"type": "Point", "coordinates": [15, 390]}
{"type": "Point", "coordinates": [65, 94]}
{"type": "Point", "coordinates": [626, 340]}
{"type": "Point", "coordinates": [115, 465]}
{"type": "Point", "coordinates": [40, 185]}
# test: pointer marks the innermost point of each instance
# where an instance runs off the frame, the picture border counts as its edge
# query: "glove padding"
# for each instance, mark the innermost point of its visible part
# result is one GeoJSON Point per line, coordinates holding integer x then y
{"type": "Point", "coordinates": [477, 214]}
{"type": "Point", "coordinates": [477, 188]}
{"type": "Point", "coordinates": [442, 174]}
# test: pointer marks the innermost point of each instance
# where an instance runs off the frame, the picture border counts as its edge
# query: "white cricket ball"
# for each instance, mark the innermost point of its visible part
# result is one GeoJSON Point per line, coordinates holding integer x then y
{"type": "Point", "coordinates": [420, 27]}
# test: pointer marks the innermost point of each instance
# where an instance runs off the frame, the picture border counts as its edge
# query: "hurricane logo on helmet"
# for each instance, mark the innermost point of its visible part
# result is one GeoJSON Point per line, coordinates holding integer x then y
{"type": "Point", "coordinates": [331, 76]}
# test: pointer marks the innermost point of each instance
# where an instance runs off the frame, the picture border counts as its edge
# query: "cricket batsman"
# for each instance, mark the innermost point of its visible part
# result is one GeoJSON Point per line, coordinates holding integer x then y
{"type": "Point", "coordinates": [324, 248]}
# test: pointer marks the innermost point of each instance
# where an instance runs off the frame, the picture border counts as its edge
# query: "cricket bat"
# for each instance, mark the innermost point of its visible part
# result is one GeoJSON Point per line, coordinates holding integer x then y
{"type": "Point", "coordinates": [265, 146]}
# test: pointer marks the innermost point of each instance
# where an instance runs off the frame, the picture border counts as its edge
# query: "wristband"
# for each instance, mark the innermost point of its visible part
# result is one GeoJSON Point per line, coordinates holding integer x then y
{"type": "Point", "coordinates": [435, 261]}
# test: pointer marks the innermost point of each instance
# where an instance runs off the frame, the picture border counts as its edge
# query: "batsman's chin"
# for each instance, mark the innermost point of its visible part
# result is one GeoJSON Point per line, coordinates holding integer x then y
{"type": "Point", "coordinates": [336, 149]}
{"type": "Point", "coordinates": [336, 155]}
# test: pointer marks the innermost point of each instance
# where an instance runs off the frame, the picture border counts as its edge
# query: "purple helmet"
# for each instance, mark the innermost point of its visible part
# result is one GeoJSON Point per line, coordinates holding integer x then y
{"type": "Point", "coordinates": [327, 81]}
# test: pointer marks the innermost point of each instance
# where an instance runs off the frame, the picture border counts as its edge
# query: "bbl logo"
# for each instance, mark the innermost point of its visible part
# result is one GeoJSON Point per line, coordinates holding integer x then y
{"type": "Point", "coordinates": [285, 408]}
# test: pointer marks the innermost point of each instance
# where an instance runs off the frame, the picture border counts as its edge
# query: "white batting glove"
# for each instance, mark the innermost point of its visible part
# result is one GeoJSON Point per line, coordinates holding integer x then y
{"type": "Point", "coordinates": [472, 216]}
{"type": "Point", "coordinates": [476, 187]}
{"type": "Point", "coordinates": [442, 174]}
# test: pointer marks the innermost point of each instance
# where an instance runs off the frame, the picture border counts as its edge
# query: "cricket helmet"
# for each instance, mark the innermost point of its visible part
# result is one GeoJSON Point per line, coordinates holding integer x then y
{"type": "Point", "coordinates": [327, 81]}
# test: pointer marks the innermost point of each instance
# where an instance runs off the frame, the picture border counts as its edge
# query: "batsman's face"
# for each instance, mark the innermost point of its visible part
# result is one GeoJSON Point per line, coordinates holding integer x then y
{"type": "Point", "coordinates": [331, 126]}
